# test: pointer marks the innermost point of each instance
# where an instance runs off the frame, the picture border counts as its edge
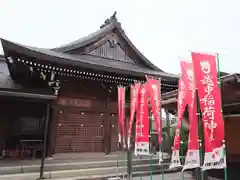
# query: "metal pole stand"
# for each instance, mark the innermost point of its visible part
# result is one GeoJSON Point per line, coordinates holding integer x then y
{"type": "Point", "coordinates": [129, 163]}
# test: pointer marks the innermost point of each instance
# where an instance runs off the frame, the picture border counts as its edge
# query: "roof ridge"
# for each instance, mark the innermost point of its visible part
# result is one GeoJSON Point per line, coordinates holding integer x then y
{"type": "Point", "coordinates": [75, 60]}
{"type": "Point", "coordinates": [109, 24]}
{"type": "Point", "coordinates": [111, 20]}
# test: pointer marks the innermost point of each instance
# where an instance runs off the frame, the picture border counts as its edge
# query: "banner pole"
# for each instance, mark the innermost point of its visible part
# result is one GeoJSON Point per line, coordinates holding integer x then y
{"type": "Point", "coordinates": [129, 162]}
{"type": "Point", "coordinates": [181, 152]}
{"type": "Point", "coordinates": [125, 158]}
{"type": "Point", "coordinates": [201, 159]}
{"type": "Point", "coordinates": [151, 132]}
{"type": "Point", "coordinates": [124, 138]}
{"type": "Point", "coordinates": [122, 145]}
{"type": "Point", "coordinates": [200, 129]}
{"type": "Point", "coordinates": [141, 174]}
{"type": "Point", "coordinates": [161, 149]}
{"type": "Point", "coordinates": [162, 161]}
{"type": "Point", "coordinates": [129, 156]}
{"type": "Point", "coordinates": [181, 149]}
{"type": "Point", "coordinates": [118, 136]}
{"type": "Point", "coordinates": [122, 156]}
{"type": "Point", "coordinates": [219, 85]}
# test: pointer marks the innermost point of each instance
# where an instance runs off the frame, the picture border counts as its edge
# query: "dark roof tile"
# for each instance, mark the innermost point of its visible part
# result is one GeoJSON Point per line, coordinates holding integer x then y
{"type": "Point", "coordinates": [78, 60]}
{"type": "Point", "coordinates": [6, 82]}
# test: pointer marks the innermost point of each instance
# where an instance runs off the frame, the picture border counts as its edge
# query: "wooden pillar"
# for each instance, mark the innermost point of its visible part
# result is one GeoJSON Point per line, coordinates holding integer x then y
{"type": "Point", "coordinates": [45, 140]}
{"type": "Point", "coordinates": [52, 133]}
{"type": "Point", "coordinates": [168, 132]}
{"type": "Point", "coordinates": [107, 134]}
{"type": "Point", "coordinates": [107, 127]}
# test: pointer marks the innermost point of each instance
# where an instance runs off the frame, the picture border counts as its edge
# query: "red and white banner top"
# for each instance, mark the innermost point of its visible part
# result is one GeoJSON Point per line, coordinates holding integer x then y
{"type": "Point", "coordinates": [206, 75]}
{"type": "Point", "coordinates": [184, 98]}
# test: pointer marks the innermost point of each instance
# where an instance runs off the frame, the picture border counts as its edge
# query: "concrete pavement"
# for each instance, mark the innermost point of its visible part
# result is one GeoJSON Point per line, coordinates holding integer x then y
{"type": "Point", "coordinates": [171, 176]}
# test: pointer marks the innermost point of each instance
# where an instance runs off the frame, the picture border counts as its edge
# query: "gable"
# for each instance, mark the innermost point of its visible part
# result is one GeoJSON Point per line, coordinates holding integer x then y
{"type": "Point", "coordinates": [117, 47]}
{"type": "Point", "coordinates": [111, 51]}
{"type": "Point", "coordinates": [109, 47]}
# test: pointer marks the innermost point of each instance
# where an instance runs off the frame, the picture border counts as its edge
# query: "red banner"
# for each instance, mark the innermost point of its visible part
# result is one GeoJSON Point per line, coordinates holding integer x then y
{"type": "Point", "coordinates": [142, 123]}
{"type": "Point", "coordinates": [121, 110]}
{"type": "Point", "coordinates": [155, 97]}
{"type": "Point", "coordinates": [133, 109]}
{"type": "Point", "coordinates": [192, 157]}
{"type": "Point", "coordinates": [205, 71]}
{"type": "Point", "coordinates": [183, 100]}
{"type": "Point", "coordinates": [133, 106]}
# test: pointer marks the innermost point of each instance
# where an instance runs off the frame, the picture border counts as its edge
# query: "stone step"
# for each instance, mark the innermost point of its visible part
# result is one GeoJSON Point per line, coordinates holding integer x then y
{"type": "Point", "coordinates": [76, 165]}
{"type": "Point", "coordinates": [73, 158]}
{"type": "Point", "coordinates": [89, 166]}
{"type": "Point", "coordinates": [118, 176]}
{"type": "Point", "coordinates": [88, 172]}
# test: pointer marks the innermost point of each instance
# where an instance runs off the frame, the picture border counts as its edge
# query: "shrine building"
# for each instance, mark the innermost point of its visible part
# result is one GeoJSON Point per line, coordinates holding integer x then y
{"type": "Point", "coordinates": [65, 98]}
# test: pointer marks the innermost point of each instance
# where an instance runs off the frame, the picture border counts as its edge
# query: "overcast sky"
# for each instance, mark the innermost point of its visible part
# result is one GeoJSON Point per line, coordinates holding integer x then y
{"type": "Point", "coordinates": [163, 30]}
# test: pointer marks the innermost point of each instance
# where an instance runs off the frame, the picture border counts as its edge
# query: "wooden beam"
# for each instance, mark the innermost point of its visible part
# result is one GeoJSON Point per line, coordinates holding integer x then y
{"type": "Point", "coordinates": [169, 101]}
{"type": "Point", "coordinates": [232, 104]}
{"type": "Point", "coordinates": [44, 152]}
{"type": "Point", "coordinates": [163, 102]}
{"type": "Point", "coordinates": [53, 130]}
{"type": "Point", "coordinates": [231, 115]}
{"type": "Point", "coordinates": [28, 95]}
{"type": "Point", "coordinates": [170, 94]}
